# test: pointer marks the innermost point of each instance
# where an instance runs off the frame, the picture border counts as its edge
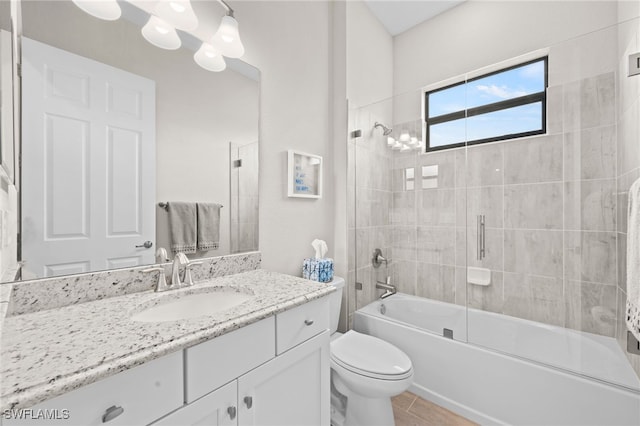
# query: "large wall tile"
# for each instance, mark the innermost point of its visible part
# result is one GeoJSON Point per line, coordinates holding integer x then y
{"type": "Point", "coordinates": [461, 286]}
{"type": "Point", "coordinates": [535, 252]}
{"type": "Point", "coordinates": [403, 276]}
{"type": "Point", "coordinates": [446, 162]}
{"type": "Point", "coordinates": [436, 245]}
{"type": "Point", "coordinates": [363, 245]}
{"type": "Point", "coordinates": [534, 297]}
{"type": "Point", "coordinates": [484, 165]}
{"type": "Point", "coordinates": [403, 210]}
{"type": "Point", "coordinates": [487, 298]}
{"type": "Point", "coordinates": [436, 281]}
{"type": "Point", "coordinates": [436, 207]}
{"type": "Point", "coordinates": [590, 256]}
{"type": "Point", "coordinates": [590, 102]}
{"type": "Point", "coordinates": [629, 134]}
{"type": "Point", "coordinates": [380, 207]}
{"type": "Point", "coordinates": [486, 200]}
{"type": "Point", "coordinates": [404, 243]}
{"type": "Point", "coordinates": [534, 206]}
{"type": "Point", "coordinates": [364, 202]}
{"type": "Point", "coordinates": [533, 160]}
{"type": "Point", "coordinates": [590, 307]}
{"type": "Point", "coordinates": [590, 154]}
{"type": "Point", "coordinates": [590, 205]}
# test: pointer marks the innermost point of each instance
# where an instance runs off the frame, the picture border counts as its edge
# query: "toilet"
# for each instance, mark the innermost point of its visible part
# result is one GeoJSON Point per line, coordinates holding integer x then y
{"type": "Point", "coordinates": [365, 371]}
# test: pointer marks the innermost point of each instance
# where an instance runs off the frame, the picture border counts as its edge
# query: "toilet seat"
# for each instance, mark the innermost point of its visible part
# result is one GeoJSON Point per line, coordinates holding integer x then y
{"type": "Point", "coordinates": [370, 357]}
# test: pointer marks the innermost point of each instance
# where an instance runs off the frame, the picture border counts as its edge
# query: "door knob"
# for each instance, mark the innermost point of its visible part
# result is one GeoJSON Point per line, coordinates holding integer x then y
{"type": "Point", "coordinates": [232, 412]}
{"type": "Point", "coordinates": [248, 401]}
{"type": "Point", "coordinates": [146, 244]}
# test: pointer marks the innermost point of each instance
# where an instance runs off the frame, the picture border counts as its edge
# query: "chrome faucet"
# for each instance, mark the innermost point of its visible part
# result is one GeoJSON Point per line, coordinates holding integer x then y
{"type": "Point", "coordinates": [178, 261]}
{"type": "Point", "coordinates": [389, 289]}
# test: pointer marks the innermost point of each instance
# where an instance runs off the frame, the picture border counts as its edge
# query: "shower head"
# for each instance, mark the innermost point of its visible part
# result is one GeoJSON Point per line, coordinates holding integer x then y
{"type": "Point", "coordinates": [385, 130]}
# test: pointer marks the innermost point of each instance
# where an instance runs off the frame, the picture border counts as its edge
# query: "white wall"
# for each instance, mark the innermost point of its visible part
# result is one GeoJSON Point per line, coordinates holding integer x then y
{"type": "Point", "coordinates": [478, 33]}
{"type": "Point", "coordinates": [289, 42]}
{"type": "Point", "coordinates": [369, 57]}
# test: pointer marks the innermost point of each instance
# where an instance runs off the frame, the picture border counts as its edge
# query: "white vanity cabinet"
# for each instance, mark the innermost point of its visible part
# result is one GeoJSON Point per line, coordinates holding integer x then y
{"type": "Point", "coordinates": [134, 397]}
{"type": "Point", "coordinates": [287, 387]}
{"type": "Point", "coordinates": [272, 372]}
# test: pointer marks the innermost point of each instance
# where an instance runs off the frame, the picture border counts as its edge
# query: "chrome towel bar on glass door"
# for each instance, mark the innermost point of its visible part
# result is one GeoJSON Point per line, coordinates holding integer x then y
{"type": "Point", "coordinates": [480, 232]}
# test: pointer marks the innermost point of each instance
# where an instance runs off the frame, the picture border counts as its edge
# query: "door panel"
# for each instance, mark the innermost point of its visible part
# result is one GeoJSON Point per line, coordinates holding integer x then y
{"type": "Point", "coordinates": [89, 196]}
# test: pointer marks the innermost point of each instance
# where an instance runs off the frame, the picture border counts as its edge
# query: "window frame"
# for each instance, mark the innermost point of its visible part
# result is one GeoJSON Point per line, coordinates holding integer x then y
{"type": "Point", "coordinates": [488, 108]}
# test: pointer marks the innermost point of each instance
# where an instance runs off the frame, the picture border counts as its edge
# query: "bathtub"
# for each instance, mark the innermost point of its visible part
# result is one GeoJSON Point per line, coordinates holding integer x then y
{"type": "Point", "coordinates": [515, 371]}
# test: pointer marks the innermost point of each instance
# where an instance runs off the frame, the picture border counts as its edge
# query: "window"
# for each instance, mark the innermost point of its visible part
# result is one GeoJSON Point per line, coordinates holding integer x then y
{"type": "Point", "coordinates": [505, 104]}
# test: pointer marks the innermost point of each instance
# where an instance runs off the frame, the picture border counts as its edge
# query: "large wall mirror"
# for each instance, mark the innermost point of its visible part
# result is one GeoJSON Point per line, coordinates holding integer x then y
{"type": "Point", "coordinates": [113, 128]}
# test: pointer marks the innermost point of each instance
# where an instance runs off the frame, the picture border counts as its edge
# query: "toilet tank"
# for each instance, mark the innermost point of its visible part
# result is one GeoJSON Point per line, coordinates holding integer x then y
{"type": "Point", "coordinates": [335, 300]}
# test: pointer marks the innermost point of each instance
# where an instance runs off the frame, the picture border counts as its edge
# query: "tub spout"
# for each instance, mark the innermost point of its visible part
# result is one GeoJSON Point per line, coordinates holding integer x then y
{"type": "Point", "coordinates": [389, 289]}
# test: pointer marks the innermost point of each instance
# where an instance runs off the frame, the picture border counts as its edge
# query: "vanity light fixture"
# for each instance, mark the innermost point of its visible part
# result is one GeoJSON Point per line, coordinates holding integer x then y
{"type": "Point", "coordinates": [227, 38]}
{"type": "Point", "coordinates": [177, 13]}
{"type": "Point", "coordinates": [161, 34]}
{"type": "Point", "coordinates": [108, 10]}
{"type": "Point", "coordinates": [390, 141]}
{"type": "Point", "coordinates": [169, 15]}
{"type": "Point", "coordinates": [209, 58]}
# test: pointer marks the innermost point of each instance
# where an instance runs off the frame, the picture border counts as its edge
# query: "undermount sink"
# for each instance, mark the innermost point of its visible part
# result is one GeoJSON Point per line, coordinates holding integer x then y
{"type": "Point", "coordinates": [192, 306]}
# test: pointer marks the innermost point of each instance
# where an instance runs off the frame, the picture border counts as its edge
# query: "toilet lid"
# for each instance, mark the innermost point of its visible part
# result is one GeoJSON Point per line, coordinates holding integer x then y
{"type": "Point", "coordinates": [370, 356]}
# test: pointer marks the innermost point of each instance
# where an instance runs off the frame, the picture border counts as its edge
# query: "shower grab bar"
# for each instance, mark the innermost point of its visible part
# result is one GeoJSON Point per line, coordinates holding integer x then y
{"type": "Point", "coordinates": [480, 238]}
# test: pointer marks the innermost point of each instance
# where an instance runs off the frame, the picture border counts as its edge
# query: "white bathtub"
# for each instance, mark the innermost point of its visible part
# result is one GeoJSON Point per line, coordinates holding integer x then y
{"type": "Point", "coordinates": [575, 378]}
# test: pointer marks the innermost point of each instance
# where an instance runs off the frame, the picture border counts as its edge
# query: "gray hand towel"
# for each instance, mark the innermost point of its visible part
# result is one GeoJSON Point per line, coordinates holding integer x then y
{"type": "Point", "coordinates": [208, 226]}
{"type": "Point", "coordinates": [182, 226]}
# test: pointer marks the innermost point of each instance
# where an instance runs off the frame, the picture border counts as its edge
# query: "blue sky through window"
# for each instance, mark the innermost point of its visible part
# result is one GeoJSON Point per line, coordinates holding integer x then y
{"type": "Point", "coordinates": [510, 84]}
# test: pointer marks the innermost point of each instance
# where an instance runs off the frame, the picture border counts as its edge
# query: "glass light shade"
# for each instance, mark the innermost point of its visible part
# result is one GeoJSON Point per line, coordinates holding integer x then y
{"type": "Point", "coordinates": [413, 142]}
{"type": "Point", "coordinates": [405, 148]}
{"type": "Point", "coordinates": [108, 10]}
{"type": "Point", "coordinates": [390, 141]}
{"type": "Point", "coordinates": [227, 38]}
{"type": "Point", "coordinates": [397, 146]}
{"type": "Point", "coordinates": [161, 34]}
{"type": "Point", "coordinates": [404, 137]}
{"type": "Point", "coordinates": [209, 58]}
{"type": "Point", "coordinates": [177, 13]}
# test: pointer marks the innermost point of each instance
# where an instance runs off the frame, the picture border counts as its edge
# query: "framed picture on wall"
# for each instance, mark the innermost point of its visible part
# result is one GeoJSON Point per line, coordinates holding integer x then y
{"type": "Point", "coordinates": [304, 179]}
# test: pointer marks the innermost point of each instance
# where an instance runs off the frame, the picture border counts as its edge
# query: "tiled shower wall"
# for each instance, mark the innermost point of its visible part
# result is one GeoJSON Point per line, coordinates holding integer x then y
{"type": "Point", "coordinates": [244, 198]}
{"type": "Point", "coordinates": [549, 201]}
{"type": "Point", "coordinates": [628, 160]}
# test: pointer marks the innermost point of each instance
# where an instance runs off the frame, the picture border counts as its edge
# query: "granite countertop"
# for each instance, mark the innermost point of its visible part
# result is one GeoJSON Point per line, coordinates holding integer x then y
{"type": "Point", "coordinates": [47, 353]}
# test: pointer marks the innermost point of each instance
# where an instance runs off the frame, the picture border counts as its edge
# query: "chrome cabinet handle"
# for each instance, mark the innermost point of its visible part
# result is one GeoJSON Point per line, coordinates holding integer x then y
{"type": "Point", "coordinates": [146, 244]}
{"type": "Point", "coordinates": [248, 401]}
{"type": "Point", "coordinates": [111, 413]}
{"type": "Point", "coordinates": [308, 322]}
{"type": "Point", "coordinates": [232, 412]}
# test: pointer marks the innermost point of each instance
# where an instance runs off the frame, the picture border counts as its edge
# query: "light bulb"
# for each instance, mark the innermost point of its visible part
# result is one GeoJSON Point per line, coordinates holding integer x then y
{"type": "Point", "coordinates": [177, 13]}
{"type": "Point", "coordinates": [161, 34]}
{"type": "Point", "coordinates": [227, 38]}
{"type": "Point", "coordinates": [390, 141]}
{"type": "Point", "coordinates": [404, 137]}
{"type": "Point", "coordinates": [209, 58]}
{"type": "Point", "coordinates": [108, 10]}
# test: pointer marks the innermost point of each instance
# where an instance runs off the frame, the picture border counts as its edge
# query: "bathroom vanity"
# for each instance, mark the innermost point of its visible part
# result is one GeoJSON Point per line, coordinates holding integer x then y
{"type": "Point", "coordinates": [265, 361]}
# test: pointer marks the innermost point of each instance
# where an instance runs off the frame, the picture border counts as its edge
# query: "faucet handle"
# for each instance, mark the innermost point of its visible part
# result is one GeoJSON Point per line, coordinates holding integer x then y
{"type": "Point", "coordinates": [162, 280]}
{"type": "Point", "coordinates": [188, 280]}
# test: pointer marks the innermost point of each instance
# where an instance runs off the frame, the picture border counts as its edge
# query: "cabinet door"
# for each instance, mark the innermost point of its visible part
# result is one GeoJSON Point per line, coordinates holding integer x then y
{"type": "Point", "coordinates": [290, 390]}
{"type": "Point", "coordinates": [217, 408]}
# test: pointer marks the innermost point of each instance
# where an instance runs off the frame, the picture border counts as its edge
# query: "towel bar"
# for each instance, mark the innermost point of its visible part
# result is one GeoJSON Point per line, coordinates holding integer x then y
{"type": "Point", "coordinates": [165, 205]}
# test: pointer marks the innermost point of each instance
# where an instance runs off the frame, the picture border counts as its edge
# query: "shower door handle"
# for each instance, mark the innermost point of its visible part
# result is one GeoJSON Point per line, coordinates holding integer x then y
{"type": "Point", "coordinates": [480, 237]}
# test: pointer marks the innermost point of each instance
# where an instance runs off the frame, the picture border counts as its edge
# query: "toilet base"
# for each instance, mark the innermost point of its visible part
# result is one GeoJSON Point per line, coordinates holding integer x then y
{"type": "Point", "coordinates": [362, 411]}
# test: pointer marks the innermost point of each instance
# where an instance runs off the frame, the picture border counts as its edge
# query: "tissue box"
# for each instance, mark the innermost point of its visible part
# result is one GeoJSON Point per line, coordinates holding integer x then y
{"type": "Point", "coordinates": [318, 270]}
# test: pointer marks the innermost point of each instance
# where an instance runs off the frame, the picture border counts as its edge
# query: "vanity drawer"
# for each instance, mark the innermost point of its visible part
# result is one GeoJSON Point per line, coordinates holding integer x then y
{"type": "Point", "coordinates": [301, 323]}
{"type": "Point", "coordinates": [144, 393]}
{"type": "Point", "coordinates": [211, 364]}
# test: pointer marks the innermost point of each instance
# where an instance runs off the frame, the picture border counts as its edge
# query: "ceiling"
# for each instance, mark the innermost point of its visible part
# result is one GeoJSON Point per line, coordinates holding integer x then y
{"type": "Point", "coordinates": [400, 15]}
